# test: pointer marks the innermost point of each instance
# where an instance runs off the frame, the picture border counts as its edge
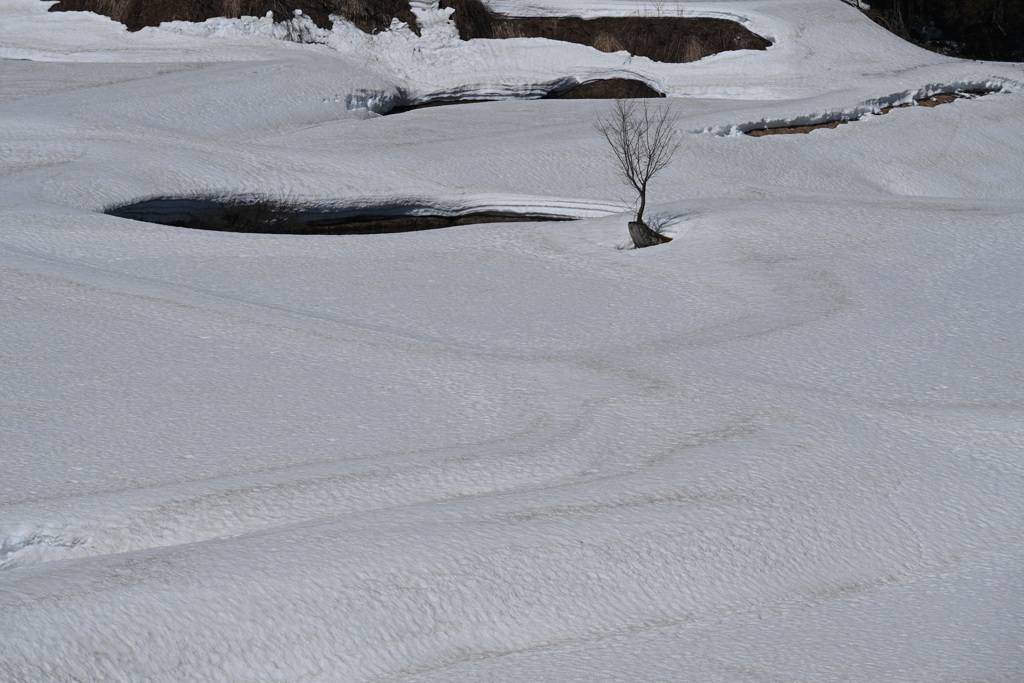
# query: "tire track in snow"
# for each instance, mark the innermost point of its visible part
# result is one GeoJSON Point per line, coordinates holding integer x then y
{"type": "Point", "coordinates": [537, 456]}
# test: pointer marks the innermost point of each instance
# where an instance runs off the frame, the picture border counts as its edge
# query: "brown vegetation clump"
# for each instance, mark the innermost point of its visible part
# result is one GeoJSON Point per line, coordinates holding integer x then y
{"type": "Point", "coordinates": [368, 15]}
{"type": "Point", "coordinates": [693, 49]}
{"type": "Point", "coordinates": [791, 130]}
{"type": "Point", "coordinates": [473, 18]}
{"type": "Point", "coordinates": [608, 42]}
{"type": "Point", "coordinates": [608, 89]}
{"type": "Point", "coordinates": [661, 38]}
{"type": "Point", "coordinates": [932, 101]}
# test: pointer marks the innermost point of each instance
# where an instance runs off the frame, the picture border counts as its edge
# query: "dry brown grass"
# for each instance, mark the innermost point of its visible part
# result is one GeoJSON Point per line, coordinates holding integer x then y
{"type": "Point", "coordinates": [474, 19]}
{"type": "Point", "coordinates": [790, 130]}
{"type": "Point", "coordinates": [661, 38]}
{"type": "Point", "coordinates": [368, 15]}
{"type": "Point", "coordinates": [609, 89]}
{"type": "Point", "coordinates": [693, 49]}
{"type": "Point", "coordinates": [945, 98]}
{"type": "Point", "coordinates": [933, 101]}
{"type": "Point", "coordinates": [608, 42]}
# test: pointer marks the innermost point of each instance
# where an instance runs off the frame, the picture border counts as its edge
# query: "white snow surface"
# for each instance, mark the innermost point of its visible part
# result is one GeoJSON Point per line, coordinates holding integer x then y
{"type": "Point", "coordinates": [786, 446]}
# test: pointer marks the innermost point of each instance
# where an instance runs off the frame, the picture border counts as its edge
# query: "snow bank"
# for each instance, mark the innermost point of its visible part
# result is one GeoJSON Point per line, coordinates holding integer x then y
{"type": "Point", "coordinates": [785, 446]}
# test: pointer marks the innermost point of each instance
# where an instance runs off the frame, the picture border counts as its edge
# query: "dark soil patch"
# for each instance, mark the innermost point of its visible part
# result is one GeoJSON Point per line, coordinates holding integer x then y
{"type": "Point", "coordinates": [611, 88]}
{"type": "Point", "coordinates": [368, 15]}
{"type": "Point", "coordinates": [933, 101]}
{"type": "Point", "coordinates": [944, 98]}
{"type": "Point", "coordinates": [660, 38]}
{"type": "Point", "coordinates": [607, 89]}
{"type": "Point", "coordinates": [268, 216]}
{"type": "Point", "coordinates": [790, 130]}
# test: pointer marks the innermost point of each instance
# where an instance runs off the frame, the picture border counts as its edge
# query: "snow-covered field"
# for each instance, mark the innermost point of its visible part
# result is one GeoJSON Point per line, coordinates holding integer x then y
{"type": "Point", "coordinates": [787, 446]}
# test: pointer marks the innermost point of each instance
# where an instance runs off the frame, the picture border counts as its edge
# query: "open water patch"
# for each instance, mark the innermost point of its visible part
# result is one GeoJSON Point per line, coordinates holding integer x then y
{"type": "Point", "coordinates": [277, 217]}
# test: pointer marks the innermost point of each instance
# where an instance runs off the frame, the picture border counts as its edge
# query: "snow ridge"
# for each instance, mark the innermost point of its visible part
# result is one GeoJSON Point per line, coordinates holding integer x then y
{"type": "Point", "coordinates": [966, 89]}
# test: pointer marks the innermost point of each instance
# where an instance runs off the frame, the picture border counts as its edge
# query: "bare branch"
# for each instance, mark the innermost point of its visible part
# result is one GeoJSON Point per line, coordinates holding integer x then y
{"type": "Point", "coordinates": [643, 140]}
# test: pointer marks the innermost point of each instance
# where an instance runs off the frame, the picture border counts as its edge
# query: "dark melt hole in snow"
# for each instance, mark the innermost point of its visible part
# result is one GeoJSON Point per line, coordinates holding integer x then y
{"type": "Point", "coordinates": [607, 89]}
{"type": "Point", "coordinates": [275, 217]}
{"type": "Point", "coordinates": [660, 36]}
{"type": "Point", "coordinates": [933, 101]}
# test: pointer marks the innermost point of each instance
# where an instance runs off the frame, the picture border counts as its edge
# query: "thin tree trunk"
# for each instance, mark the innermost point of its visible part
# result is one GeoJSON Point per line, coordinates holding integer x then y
{"type": "Point", "coordinates": [645, 237]}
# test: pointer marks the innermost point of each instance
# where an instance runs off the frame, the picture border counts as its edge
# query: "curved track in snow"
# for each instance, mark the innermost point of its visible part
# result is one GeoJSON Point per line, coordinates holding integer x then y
{"type": "Point", "coordinates": [785, 446]}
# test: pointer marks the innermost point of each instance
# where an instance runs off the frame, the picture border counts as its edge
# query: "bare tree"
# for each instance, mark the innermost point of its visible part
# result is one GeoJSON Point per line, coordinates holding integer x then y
{"type": "Point", "coordinates": [643, 138]}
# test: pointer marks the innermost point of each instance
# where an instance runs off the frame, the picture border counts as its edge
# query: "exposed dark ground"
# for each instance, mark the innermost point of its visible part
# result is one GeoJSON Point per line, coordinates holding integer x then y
{"type": "Point", "coordinates": [281, 217]}
{"type": "Point", "coordinates": [607, 89]}
{"type": "Point", "coordinates": [661, 38]}
{"type": "Point", "coordinates": [368, 15]}
{"type": "Point", "coordinates": [934, 101]}
{"type": "Point", "coordinates": [970, 29]}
